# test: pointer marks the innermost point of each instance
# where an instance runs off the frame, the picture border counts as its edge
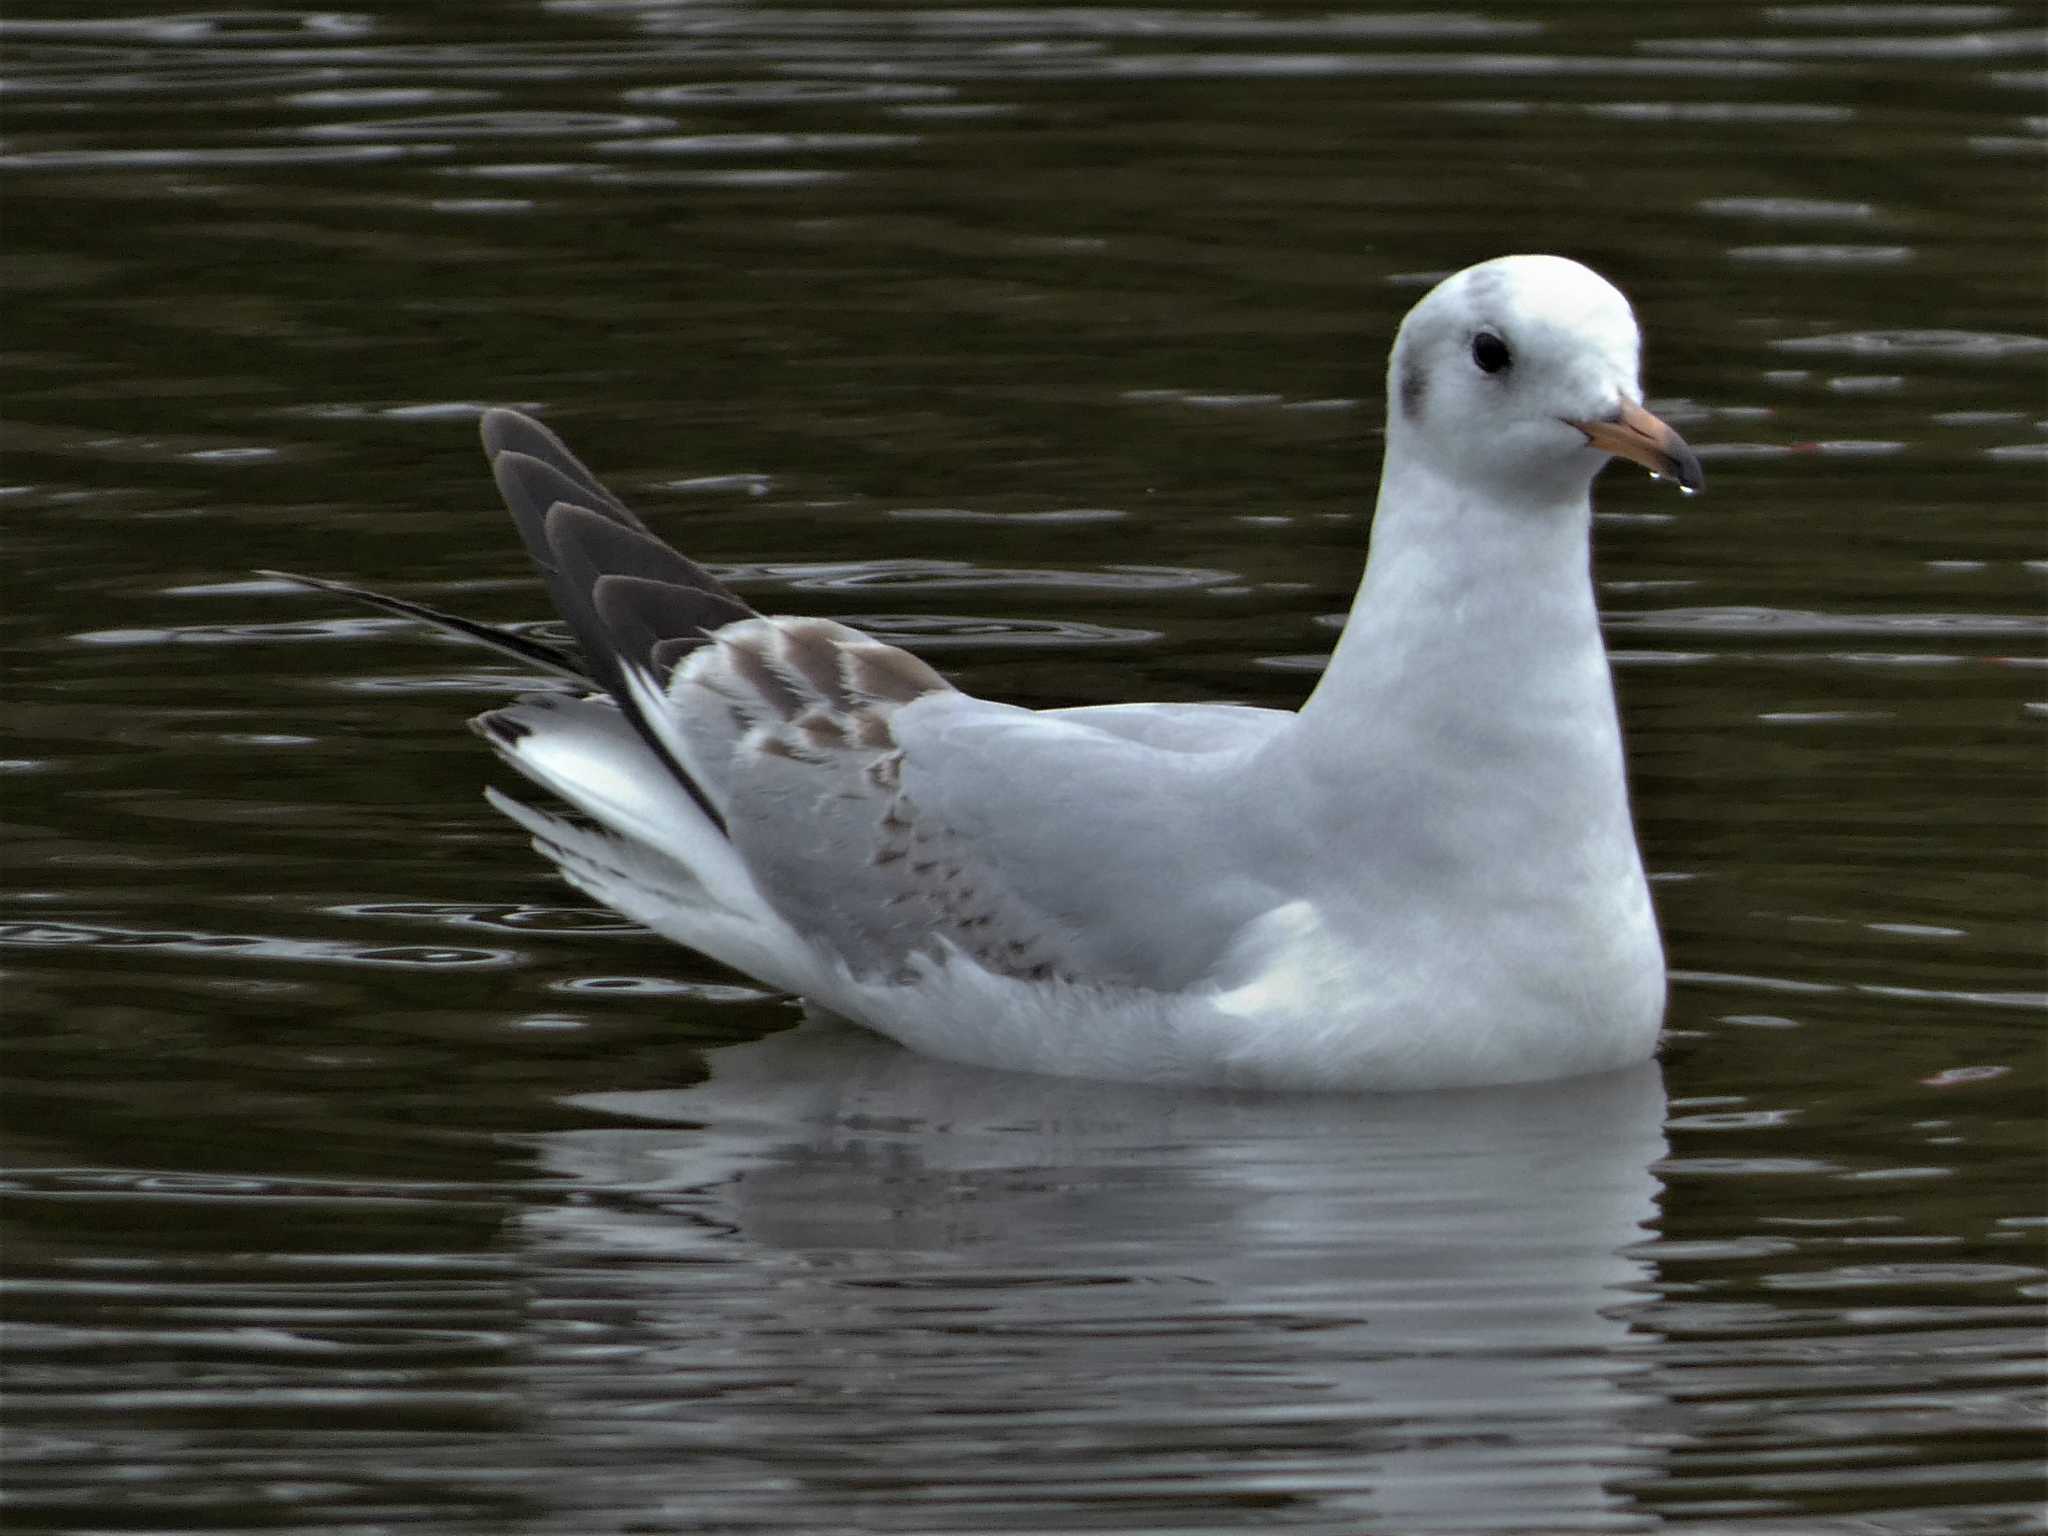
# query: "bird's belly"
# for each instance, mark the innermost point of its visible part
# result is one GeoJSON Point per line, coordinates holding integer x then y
{"type": "Point", "coordinates": [1487, 997]}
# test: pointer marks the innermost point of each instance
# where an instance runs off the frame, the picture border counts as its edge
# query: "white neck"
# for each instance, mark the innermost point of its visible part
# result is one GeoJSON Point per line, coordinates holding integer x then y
{"type": "Point", "coordinates": [1472, 665]}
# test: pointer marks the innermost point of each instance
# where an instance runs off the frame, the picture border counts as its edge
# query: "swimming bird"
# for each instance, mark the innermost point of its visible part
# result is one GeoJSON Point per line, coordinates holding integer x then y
{"type": "Point", "coordinates": [1426, 876]}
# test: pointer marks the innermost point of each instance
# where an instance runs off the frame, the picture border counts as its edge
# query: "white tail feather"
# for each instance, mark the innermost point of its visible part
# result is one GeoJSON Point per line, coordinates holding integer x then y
{"type": "Point", "coordinates": [652, 888]}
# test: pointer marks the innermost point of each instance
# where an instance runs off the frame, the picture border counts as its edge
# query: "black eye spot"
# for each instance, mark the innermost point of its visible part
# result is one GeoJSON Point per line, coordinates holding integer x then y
{"type": "Point", "coordinates": [1490, 352]}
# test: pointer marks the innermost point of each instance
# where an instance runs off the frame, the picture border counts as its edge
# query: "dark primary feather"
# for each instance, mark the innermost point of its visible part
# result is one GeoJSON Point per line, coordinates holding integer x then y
{"type": "Point", "coordinates": [633, 603]}
{"type": "Point", "coordinates": [509, 432]}
{"type": "Point", "coordinates": [679, 598]}
{"type": "Point", "coordinates": [534, 652]}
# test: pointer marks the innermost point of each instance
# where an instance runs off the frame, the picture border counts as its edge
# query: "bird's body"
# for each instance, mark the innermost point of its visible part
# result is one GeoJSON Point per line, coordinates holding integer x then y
{"type": "Point", "coordinates": [1425, 877]}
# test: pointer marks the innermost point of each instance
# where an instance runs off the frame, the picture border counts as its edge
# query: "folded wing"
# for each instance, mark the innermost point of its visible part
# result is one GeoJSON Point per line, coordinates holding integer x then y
{"type": "Point", "coordinates": [801, 800]}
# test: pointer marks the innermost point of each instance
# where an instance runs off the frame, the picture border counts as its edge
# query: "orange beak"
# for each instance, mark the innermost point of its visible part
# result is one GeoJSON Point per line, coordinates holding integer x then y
{"type": "Point", "coordinates": [1633, 433]}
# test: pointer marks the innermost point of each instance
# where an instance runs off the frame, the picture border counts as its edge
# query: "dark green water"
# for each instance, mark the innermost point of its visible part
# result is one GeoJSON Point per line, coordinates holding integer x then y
{"type": "Point", "coordinates": [360, 1177]}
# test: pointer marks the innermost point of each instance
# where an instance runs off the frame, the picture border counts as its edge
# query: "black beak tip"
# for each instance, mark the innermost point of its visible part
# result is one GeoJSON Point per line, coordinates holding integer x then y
{"type": "Point", "coordinates": [1685, 469]}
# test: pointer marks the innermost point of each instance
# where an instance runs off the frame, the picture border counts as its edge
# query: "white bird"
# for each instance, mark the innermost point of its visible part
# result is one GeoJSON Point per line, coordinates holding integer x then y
{"type": "Point", "coordinates": [1427, 876]}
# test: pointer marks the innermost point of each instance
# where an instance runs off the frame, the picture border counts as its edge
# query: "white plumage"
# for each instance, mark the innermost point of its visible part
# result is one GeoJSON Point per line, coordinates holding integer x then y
{"type": "Point", "coordinates": [1427, 876]}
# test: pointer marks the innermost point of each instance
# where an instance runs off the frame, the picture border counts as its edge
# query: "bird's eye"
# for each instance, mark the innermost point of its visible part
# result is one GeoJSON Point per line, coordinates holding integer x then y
{"type": "Point", "coordinates": [1489, 352]}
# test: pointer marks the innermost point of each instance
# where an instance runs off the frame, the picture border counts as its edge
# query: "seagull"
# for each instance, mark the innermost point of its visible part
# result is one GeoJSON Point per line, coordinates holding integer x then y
{"type": "Point", "coordinates": [1426, 876]}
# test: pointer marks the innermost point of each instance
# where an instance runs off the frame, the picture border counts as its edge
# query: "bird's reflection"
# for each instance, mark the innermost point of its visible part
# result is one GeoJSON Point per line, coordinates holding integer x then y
{"type": "Point", "coordinates": [1406, 1309]}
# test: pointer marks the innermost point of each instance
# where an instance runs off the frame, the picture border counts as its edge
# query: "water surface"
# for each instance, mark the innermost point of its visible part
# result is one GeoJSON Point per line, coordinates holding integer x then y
{"type": "Point", "coordinates": [360, 1176]}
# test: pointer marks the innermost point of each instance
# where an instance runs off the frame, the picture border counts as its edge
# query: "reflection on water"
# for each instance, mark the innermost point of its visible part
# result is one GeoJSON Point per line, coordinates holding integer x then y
{"type": "Point", "coordinates": [1406, 1313]}
{"type": "Point", "coordinates": [355, 1184]}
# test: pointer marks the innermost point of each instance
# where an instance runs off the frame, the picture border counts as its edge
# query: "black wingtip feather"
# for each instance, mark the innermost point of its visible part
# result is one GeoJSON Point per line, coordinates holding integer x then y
{"type": "Point", "coordinates": [529, 486]}
{"type": "Point", "coordinates": [635, 605]}
{"type": "Point", "coordinates": [631, 601]}
{"type": "Point", "coordinates": [533, 652]}
{"type": "Point", "coordinates": [506, 431]}
{"type": "Point", "coordinates": [579, 539]}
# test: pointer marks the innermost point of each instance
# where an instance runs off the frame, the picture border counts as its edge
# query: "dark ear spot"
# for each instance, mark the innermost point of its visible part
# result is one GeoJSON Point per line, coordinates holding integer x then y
{"type": "Point", "coordinates": [1414, 385]}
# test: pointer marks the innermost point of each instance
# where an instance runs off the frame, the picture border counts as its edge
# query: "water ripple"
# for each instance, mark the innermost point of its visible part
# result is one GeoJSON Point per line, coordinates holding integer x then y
{"type": "Point", "coordinates": [1918, 343]}
{"type": "Point", "coordinates": [383, 96]}
{"type": "Point", "coordinates": [1790, 621]}
{"type": "Point", "coordinates": [233, 27]}
{"type": "Point", "coordinates": [665, 986]}
{"type": "Point", "coordinates": [779, 93]}
{"type": "Point", "coordinates": [35, 935]}
{"type": "Point", "coordinates": [757, 143]}
{"type": "Point", "coordinates": [1720, 112]}
{"type": "Point", "coordinates": [927, 631]}
{"type": "Point", "coordinates": [1028, 23]}
{"type": "Point", "coordinates": [1825, 255]}
{"type": "Point", "coordinates": [2010, 43]}
{"type": "Point", "coordinates": [243, 634]}
{"type": "Point", "coordinates": [1887, 13]}
{"type": "Point", "coordinates": [508, 918]}
{"type": "Point", "coordinates": [1889, 1276]}
{"type": "Point", "coordinates": [1790, 208]}
{"type": "Point", "coordinates": [490, 125]}
{"type": "Point", "coordinates": [2030, 1002]}
{"type": "Point", "coordinates": [958, 575]}
{"type": "Point", "coordinates": [1022, 519]}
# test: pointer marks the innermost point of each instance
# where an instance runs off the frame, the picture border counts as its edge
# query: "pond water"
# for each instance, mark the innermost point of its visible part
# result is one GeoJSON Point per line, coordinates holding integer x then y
{"type": "Point", "coordinates": [360, 1176]}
